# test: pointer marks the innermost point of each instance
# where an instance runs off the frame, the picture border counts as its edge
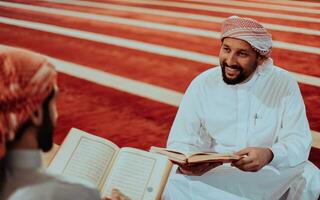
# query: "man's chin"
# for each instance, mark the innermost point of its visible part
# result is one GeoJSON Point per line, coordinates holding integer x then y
{"type": "Point", "coordinates": [233, 80]}
{"type": "Point", "coordinates": [230, 81]}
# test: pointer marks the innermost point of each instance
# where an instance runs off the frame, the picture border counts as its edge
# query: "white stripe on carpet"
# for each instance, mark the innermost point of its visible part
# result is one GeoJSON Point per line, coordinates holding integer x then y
{"type": "Point", "coordinates": [177, 14]}
{"type": "Point", "coordinates": [292, 2]}
{"type": "Point", "coordinates": [224, 9]}
{"type": "Point", "coordinates": [258, 5]}
{"type": "Point", "coordinates": [316, 139]}
{"type": "Point", "coordinates": [152, 25]}
{"type": "Point", "coordinates": [137, 45]}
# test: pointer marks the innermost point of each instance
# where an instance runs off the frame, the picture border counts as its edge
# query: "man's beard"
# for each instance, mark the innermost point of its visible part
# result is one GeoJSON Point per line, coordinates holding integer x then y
{"type": "Point", "coordinates": [238, 79]}
{"type": "Point", "coordinates": [45, 131]}
{"type": "Point", "coordinates": [45, 136]}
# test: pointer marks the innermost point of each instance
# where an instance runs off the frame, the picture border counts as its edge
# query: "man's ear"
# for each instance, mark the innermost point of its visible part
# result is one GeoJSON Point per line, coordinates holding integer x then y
{"type": "Point", "coordinates": [37, 117]}
{"type": "Point", "coordinates": [261, 59]}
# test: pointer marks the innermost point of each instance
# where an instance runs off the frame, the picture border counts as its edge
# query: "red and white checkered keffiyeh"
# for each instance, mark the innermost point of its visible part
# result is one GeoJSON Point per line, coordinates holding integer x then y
{"type": "Point", "coordinates": [250, 31]}
{"type": "Point", "coordinates": [26, 79]}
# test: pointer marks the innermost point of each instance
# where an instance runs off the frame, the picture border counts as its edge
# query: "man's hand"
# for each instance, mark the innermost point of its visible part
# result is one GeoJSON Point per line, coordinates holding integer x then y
{"type": "Point", "coordinates": [116, 195]}
{"type": "Point", "coordinates": [197, 169]}
{"type": "Point", "coordinates": [254, 158]}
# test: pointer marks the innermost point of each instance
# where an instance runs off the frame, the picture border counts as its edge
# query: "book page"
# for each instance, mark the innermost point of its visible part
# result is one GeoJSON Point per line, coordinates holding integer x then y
{"type": "Point", "coordinates": [84, 158]}
{"type": "Point", "coordinates": [194, 157]}
{"type": "Point", "coordinates": [213, 157]}
{"type": "Point", "coordinates": [138, 174]}
{"type": "Point", "coordinates": [173, 155]}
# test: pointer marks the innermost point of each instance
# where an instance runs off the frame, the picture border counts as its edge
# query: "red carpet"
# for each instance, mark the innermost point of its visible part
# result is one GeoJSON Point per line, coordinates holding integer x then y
{"type": "Point", "coordinates": [127, 119]}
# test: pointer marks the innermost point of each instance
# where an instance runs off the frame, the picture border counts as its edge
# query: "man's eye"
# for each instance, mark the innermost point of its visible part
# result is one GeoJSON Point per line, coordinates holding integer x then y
{"type": "Point", "coordinates": [243, 54]}
{"type": "Point", "coordinates": [226, 49]}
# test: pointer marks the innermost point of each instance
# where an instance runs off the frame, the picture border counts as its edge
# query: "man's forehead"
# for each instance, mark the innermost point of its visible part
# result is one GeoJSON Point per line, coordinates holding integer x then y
{"type": "Point", "coordinates": [237, 44]}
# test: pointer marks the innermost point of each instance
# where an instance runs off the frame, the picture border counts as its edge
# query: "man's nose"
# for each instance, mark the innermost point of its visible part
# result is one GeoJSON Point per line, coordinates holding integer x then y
{"type": "Point", "coordinates": [231, 59]}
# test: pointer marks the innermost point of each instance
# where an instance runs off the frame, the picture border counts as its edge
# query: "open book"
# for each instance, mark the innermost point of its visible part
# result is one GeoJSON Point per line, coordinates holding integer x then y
{"type": "Point", "coordinates": [194, 157]}
{"type": "Point", "coordinates": [88, 158]}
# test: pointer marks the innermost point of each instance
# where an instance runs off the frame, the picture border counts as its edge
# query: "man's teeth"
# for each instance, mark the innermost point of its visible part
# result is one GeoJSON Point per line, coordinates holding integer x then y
{"type": "Point", "coordinates": [232, 69]}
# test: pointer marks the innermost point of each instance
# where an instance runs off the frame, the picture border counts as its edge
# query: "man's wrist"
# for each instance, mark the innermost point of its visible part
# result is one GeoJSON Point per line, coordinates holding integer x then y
{"type": "Point", "coordinates": [271, 155]}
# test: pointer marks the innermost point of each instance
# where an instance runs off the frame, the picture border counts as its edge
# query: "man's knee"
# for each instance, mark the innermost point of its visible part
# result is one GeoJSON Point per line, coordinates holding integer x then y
{"type": "Point", "coordinates": [311, 175]}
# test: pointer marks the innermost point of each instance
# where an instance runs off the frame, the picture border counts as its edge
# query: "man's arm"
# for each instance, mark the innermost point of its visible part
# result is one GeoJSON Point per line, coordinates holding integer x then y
{"type": "Point", "coordinates": [185, 132]}
{"type": "Point", "coordinates": [294, 139]}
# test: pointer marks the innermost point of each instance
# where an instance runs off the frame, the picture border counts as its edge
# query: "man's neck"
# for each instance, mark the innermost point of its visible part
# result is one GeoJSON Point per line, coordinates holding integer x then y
{"type": "Point", "coordinates": [28, 140]}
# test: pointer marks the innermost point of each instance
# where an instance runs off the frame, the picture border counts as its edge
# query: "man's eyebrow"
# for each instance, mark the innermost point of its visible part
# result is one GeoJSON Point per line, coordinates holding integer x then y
{"type": "Point", "coordinates": [245, 50]}
{"type": "Point", "coordinates": [239, 50]}
{"type": "Point", "coordinates": [248, 51]}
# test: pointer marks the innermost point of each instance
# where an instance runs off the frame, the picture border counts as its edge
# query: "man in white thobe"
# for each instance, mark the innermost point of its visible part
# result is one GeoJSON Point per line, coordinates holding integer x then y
{"type": "Point", "coordinates": [250, 107]}
{"type": "Point", "coordinates": [27, 118]}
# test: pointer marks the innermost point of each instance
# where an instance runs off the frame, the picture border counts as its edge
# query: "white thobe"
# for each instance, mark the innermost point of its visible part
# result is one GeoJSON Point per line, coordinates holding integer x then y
{"type": "Point", "coordinates": [266, 111]}
{"type": "Point", "coordinates": [25, 179]}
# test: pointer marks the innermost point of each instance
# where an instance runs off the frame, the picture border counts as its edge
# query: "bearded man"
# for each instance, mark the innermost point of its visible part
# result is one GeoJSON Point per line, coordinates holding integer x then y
{"type": "Point", "coordinates": [250, 107]}
{"type": "Point", "coordinates": [28, 115]}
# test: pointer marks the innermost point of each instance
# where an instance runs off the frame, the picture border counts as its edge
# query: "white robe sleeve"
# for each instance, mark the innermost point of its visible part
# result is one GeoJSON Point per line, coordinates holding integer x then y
{"type": "Point", "coordinates": [294, 139]}
{"type": "Point", "coordinates": [185, 134]}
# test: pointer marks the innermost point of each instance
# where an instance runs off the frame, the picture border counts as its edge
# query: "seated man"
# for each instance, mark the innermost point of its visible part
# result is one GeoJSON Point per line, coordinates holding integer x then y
{"type": "Point", "coordinates": [253, 108]}
{"type": "Point", "coordinates": [27, 118]}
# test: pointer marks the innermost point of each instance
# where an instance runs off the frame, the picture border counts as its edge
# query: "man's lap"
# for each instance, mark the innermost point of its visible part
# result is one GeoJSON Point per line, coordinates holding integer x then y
{"type": "Point", "coordinates": [311, 175]}
{"type": "Point", "coordinates": [268, 183]}
{"type": "Point", "coordinates": [182, 187]}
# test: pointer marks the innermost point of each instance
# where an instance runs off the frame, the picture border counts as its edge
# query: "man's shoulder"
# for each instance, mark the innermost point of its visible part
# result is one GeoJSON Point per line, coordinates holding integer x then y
{"type": "Point", "coordinates": [75, 190]}
{"type": "Point", "coordinates": [280, 80]}
{"type": "Point", "coordinates": [283, 74]}
{"type": "Point", "coordinates": [280, 76]}
{"type": "Point", "coordinates": [56, 189]}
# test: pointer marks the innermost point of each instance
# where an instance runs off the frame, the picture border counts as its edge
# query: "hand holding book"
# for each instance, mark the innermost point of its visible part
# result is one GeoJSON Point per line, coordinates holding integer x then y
{"type": "Point", "coordinates": [180, 158]}
{"type": "Point", "coordinates": [197, 169]}
{"type": "Point", "coordinates": [196, 163]}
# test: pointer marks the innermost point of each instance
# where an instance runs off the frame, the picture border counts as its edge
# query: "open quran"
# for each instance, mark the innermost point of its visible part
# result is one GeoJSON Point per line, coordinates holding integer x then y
{"type": "Point", "coordinates": [136, 173]}
{"type": "Point", "coordinates": [194, 157]}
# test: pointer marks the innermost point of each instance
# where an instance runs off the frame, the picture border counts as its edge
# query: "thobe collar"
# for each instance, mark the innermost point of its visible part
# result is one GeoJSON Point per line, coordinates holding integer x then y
{"type": "Point", "coordinates": [24, 159]}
